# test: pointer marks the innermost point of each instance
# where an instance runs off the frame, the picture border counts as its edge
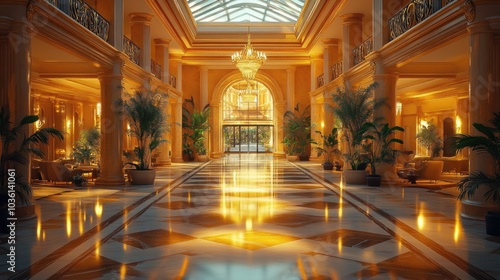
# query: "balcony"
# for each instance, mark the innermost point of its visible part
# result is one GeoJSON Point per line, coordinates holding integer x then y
{"type": "Point", "coordinates": [320, 80]}
{"type": "Point", "coordinates": [85, 15]}
{"type": "Point", "coordinates": [337, 70]}
{"type": "Point", "coordinates": [412, 14]}
{"type": "Point", "coordinates": [131, 50]}
{"type": "Point", "coordinates": [360, 52]}
{"type": "Point", "coordinates": [156, 69]}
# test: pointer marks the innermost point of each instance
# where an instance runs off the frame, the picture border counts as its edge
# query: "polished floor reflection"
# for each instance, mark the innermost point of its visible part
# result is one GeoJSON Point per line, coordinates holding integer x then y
{"type": "Point", "coordinates": [254, 217]}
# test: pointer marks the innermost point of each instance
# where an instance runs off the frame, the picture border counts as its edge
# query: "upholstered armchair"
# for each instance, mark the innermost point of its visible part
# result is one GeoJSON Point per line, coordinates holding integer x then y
{"type": "Point", "coordinates": [56, 171]}
{"type": "Point", "coordinates": [429, 170]}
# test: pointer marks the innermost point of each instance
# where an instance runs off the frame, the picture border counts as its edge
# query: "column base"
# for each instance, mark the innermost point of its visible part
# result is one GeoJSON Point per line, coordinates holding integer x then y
{"type": "Point", "coordinates": [279, 155]}
{"type": "Point", "coordinates": [164, 162]}
{"type": "Point", "coordinates": [476, 209]}
{"type": "Point", "coordinates": [110, 181]}
{"type": "Point", "coordinates": [216, 155]}
{"type": "Point", "coordinates": [177, 159]}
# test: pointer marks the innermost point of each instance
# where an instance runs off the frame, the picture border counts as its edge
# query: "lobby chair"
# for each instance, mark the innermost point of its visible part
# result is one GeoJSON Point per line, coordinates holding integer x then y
{"type": "Point", "coordinates": [430, 170]}
{"type": "Point", "coordinates": [56, 171]}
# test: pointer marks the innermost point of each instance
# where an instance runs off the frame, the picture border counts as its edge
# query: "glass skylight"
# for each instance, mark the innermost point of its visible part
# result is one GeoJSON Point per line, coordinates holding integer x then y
{"type": "Point", "coordinates": [246, 10]}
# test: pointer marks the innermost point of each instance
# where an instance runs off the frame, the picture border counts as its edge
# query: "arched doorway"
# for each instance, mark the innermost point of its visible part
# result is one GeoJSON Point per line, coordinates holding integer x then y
{"type": "Point", "coordinates": [248, 118]}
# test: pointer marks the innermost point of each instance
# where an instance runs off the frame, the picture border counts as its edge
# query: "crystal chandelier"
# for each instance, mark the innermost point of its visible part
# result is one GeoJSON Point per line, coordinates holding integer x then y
{"type": "Point", "coordinates": [248, 95]}
{"type": "Point", "coordinates": [248, 60]}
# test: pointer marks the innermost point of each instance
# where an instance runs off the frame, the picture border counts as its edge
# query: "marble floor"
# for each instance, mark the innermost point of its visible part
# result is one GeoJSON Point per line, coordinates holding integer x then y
{"type": "Point", "coordinates": [251, 216]}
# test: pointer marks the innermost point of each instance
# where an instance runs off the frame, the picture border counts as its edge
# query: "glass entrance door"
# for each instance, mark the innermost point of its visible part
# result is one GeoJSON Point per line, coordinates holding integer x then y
{"type": "Point", "coordinates": [248, 138]}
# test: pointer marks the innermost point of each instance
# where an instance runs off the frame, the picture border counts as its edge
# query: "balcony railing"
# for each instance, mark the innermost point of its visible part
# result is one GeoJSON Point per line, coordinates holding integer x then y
{"type": "Point", "coordinates": [131, 50]}
{"type": "Point", "coordinates": [337, 69]}
{"type": "Point", "coordinates": [413, 13]}
{"type": "Point", "coordinates": [320, 80]}
{"type": "Point", "coordinates": [85, 15]}
{"type": "Point", "coordinates": [156, 69]}
{"type": "Point", "coordinates": [360, 52]}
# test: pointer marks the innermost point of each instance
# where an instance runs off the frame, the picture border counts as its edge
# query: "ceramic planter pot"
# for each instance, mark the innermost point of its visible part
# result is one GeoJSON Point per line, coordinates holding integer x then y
{"type": "Point", "coordinates": [142, 177]}
{"type": "Point", "coordinates": [327, 166]}
{"type": "Point", "coordinates": [373, 180]}
{"type": "Point", "coordinates": [492, 220]}
{"type": "Point", "coordinates": [355, 177]}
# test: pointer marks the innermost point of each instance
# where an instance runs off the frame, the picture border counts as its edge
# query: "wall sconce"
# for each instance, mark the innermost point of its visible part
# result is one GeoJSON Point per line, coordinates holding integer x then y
{"type": "Point", "coordinates": [399, 108]}
{"type": "Point", "coordinates": [458, 124]}
{"type": "Point", "coordinates": [68, 124]}
{"type": "Point", "coordinates": [98, 109]}
{"type": "Point", "coordinates": [322, 124]}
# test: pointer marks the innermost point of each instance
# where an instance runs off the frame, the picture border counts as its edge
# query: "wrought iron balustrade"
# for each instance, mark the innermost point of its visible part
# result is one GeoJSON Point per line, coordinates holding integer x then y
{"type": "Point", "coordinates": [320, 80]}
{"type": "Point", "coordinates": [360, 52]}
{"type": "Point", "coordinates": [337, 69]}
{"type": "Point", "coordinates": [156, 69]}
{"type": "Point", "coordinates": [413, 13]}
{"type": "Point", "coordinates": [85, 15]}
{"type": "Point", "coordinates": [131, 50]}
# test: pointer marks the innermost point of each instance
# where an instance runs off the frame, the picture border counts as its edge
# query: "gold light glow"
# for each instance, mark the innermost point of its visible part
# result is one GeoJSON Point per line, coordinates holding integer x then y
{"type": "Point", "coordinates": [68, 219]}
{"type": "Point", "coordinates": [123, 271]}
{"type": "Point", "coordinates": [458, 226]}
{"type": "Point", "coordinates": [248, 61]}
{"type": "Point", "coordinates": [246, 201]}
{"type": "Point", "coordinates": [326, 213]}
{"type": "Point", "coordinates": [458, 124]}
{"type": "Point", "coordinates": [420, 217]}
{"type": "Point", "coordinates": [98, 209]}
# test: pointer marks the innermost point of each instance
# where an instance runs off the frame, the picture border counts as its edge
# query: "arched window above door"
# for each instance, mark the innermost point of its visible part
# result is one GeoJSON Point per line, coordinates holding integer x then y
{"type": "Point", "coordinates": [247, 102]}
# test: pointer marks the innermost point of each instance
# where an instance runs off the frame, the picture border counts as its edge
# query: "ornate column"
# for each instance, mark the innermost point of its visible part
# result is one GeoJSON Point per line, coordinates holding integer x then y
{"type": "Point", "coordinates": [290, 89]}
{"type": "Point", "coordinates": [484, 89]}
{"type": "Point", "coordinates": [203, 87]}
{"type": "Point", "coordinates": [111, 124]}
{"type": "Point", "coordinates": [164, 157]}
{"type": "Point", "coordinates": [176, 66]}
{"type": "Point", "coordinates": [316, 66]}
{"type": "Point", "coordinates": [215, 131]}
{"type": "Point", "coordinates": [352, 37]}
{"type": "Point", "coordinates": [176, 129]}
{"type": "Point", "coordinates": [118, 21]}
{"type": "Point", "coordinates": [163, 57]}
{"type": "Point", "coordinates": [330, 56]}
{"type": "Point", "coordinates": [380, 33]}
{"type": "Point", "coordinates": [15, 80]}
{"type": "Point", "coordinates": [141, 36]}
{"type": "Point", "coordinates": [279, 111]}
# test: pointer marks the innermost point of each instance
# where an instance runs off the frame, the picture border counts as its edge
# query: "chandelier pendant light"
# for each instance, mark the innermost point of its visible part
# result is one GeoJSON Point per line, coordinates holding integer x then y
{"type": "Point", "coordinates": [248, 60]}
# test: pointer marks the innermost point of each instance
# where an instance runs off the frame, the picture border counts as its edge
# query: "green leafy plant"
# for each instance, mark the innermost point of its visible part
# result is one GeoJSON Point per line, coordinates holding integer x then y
{"type": "Point", "coordinates": [328, 146]}
{"type": "Point", "coordinates": [86, 148]}
{"type": "Point", "coordinates": [380, 145]}
{"type": "Point", "coordinates": [195, 123]}
{"type": "Point", "coordinates": [297, 129]}
{"type": "Point", "coordinates": [17, 145]}
{"type": "Point", "coordinates": [353, 108]}
{"type": "Point", "coordinates": [430, 139]}
{"type": "Point", "coordinates": [79, 180]}
{"type": "Point", "coordinates": [487, 143]}
{"type": "Point", "coordinates": [144, 111]}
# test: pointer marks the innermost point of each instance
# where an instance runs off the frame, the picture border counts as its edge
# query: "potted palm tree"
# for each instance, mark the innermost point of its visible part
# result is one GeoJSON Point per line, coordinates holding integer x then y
{"type": "Point", "coordinates": [352, 109]}
{"type": "Point", "coordinates": [195, 123]}
{"type": "Point", "coordinates": [297, 130]}
{"type": "Point", "coordinates": [380, 148]}
{"type": "Point", "coordinates": [430, 139]}
{"type": "Point", "coordinates": [328, 148]}
{"type": "Point", "coordinates": [86, 147]}
{"type": "Point", "coordinates": [17, 146]}
{"type": "Point", "coordinates": [488, 143]}
{"type": "Point", "coordinates": [144, 111]}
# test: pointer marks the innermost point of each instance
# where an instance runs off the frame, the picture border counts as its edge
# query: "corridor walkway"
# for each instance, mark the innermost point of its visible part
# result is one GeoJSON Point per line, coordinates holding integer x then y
{"type": "Point", "coordinates": [252, 217]}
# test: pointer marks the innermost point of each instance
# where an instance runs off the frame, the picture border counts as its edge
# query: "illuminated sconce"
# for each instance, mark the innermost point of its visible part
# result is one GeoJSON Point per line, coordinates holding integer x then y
{"type": "Point", "coordinates": [458, 124]}
{"type": "Point", "coordinates": [68, 124]}
{"type": "Point", "coordinates": [98, 109]}
{"type": "Point", "coordinates": [322, 124]}
{"type": "Point", "coordinates": [399, 108]}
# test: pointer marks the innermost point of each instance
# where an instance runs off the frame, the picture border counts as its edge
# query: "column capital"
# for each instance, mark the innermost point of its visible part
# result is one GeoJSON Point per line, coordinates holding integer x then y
{"type": "Point", "coordinates": [351, 18]}
{"type": "Point", "coordinates": [143, 18]}
{"type": "Point", "coordinates": [331, 42]}
{"type": "Point", "coordinates": [162, 42]}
